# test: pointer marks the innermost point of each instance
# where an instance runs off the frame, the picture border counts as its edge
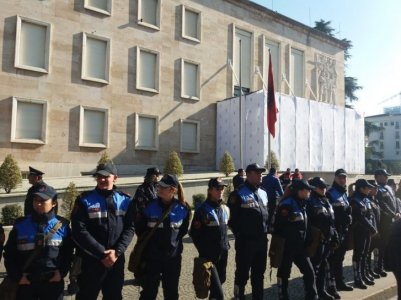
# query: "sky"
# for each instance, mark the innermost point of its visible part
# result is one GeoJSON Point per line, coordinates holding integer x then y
{"type": "Point", "coordinates": [374, 29]}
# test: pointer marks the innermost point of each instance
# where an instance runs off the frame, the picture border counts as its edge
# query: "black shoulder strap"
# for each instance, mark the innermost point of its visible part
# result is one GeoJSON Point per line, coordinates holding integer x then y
{"type": "Point", "coordinates": [147, 236]}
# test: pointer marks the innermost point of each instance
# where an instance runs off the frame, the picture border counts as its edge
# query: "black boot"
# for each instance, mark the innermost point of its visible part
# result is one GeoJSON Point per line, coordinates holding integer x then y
{"type": "Point", "coordinates": [365, 275]}
{"type": "Point", "coordinates": [358, 282]}
{"type": "Point", "coordinates": [333, 292]}
{"type": "Point", "coordinates": [282, 284]}
{"type": "Point", "coordinates": [342, 286]}
{"type": "Point", "coordinates": [380, 272]}
{"type": "Point", "coordinates": [323, 295]}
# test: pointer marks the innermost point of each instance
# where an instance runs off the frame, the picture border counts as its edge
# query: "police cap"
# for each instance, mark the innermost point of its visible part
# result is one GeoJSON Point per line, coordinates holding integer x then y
{"type": "Point", "coordinates": [153, 171]}
{"type": "Point", "coordinates": [382, 172]}
{"type": "Point", "coordinates": [254, 167]}
{"type": "Point", "coordinates": [106, 169]}
{"type": "Point", "coordinates": [36, 172]}
{"type": "Point", "coordinates": [301, 184]}
{"type": "Point", "coordinates": [340, 172]}
{"type": "Point", "coordinates": [45, 192]}
{"type": "Point", "coordinates": [318, 182]}
{"type": "Point", "coordinates": [168, 180]}
{"type": "Point", "coordinates": [216, 183]}
{"type": "Point", "coordinates": [362, 183]}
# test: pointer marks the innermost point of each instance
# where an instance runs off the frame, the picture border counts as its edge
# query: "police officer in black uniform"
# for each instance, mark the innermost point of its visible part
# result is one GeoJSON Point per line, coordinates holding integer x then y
{"type": "Point", "coordinates": [249, 223]}
{"type": "Point", "coordinates": [102, 227]}
{"type": "Point", "coordinates": [162, 253]}
{"type": "Point", "coordinates": [238, 179]}
{"type": "Point", "coordinates": [321, 219]}
{"type": "Point", "coordinates": [363, 229]}
{"type": "Point", "coordinates": [35, 179]}
{"type": "Point", "coordinates": [291, 223]}
{"type": "Point", "coordinates": [393, 254]}
{"type": "Point", "coordinates": [338, 198]}
{"type": "Point", "coordinates": [209, 234]}
{"type": "Point", "coordinates": [388, 213]}
{"type": "Point", "coordinates": [38, 252]}
{"type": "Point", "coordinates": [147, 191]}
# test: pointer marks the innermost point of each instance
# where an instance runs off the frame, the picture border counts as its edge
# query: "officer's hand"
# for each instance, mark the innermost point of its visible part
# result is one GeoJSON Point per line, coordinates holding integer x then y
{"type": "Point", "coordinates": [110, 258]}
{"type": "Point", "coordinates": [56, 277]}
{"type": "Point", "coordinates": [24, 280]}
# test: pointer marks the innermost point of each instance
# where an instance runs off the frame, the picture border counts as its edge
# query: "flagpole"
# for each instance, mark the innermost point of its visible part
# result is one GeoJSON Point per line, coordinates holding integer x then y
{"type": "Point", "coordinates": [240, 106]}
{"type": "Point", "coordinates": [269, 149]}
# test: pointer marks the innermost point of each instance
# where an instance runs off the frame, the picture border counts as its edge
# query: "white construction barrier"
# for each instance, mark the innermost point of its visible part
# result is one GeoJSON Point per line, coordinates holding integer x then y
{"type": "Point", "coordinates": [312, 136]}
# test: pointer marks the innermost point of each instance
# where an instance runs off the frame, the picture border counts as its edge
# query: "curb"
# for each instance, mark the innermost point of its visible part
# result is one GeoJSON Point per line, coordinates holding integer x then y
{"type": "Point", "coordinates": [381, 294]}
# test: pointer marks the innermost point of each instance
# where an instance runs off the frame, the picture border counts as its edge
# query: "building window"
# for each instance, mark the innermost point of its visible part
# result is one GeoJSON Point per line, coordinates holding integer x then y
{"type": "Point", "coordinates": [32, 48]}
{"type": "Point", "coordinates": [147, 70]}
{"type": "Point", "coordinates": [385, 123]}
{"type": "Point", "coordinates": [146, 132]}
{"type": "Point", "coordinates": [149, 13]}
{"type": "Point", "coordinates": [190, 79]}
{"type": "Point", "coordinates": [191, 24]}
{"type": "Point", "coordinates": [381, 135]}
{"type": "Point", "coordinates": [190, 137]}
{"type": "Point", "coordinates": [392, 123]}
{"type": "Point", "coordinates": [245, 39]}
{"type": "Point", "coordinates": [29, 121]}
{"type": "Point", "coordinates": [93, 127]}
{"type": "Point", "coordinates": [397, 145]}
{"type": "Point", "coordinates": [297, 80]}
{"type": "Point", "coordinates": [95, 58]}
{"type": "Point", "coordinates": [397, 134]}
{"type": "Point", "coordinates": [397, 125]}
{"type": "Point", "coordinates": [381, 145]}
{"type": "Point", "coordinates": [237, 91]}
{"type": "Point", "coordinates": [100, 6]}
{"type": "Point", "coordinates": [274, 48]}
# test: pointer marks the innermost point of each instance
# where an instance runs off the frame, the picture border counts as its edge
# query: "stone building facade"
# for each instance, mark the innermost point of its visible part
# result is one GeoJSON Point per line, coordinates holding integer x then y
{"type": "Point", "coordinates": [140, 78]}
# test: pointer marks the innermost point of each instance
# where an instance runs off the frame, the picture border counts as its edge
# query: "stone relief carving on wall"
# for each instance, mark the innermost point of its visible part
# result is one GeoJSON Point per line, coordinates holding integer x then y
{"type": "Point", "coordinates": [326, 78]}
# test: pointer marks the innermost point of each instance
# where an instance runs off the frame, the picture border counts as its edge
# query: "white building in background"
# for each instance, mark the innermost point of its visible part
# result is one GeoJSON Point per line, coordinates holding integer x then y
{"type": "Point", "coordinates": [386, 140]}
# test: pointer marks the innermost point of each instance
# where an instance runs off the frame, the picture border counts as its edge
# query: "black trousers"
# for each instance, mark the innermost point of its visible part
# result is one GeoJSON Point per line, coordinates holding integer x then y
{"type": "Point", "coordinates": [361, 247]}
{"type": "Point", "coordinates": [336, 259]}
{"type": "Point", "coordinates": [218, 277]}
{"type": "Point", "coordinates": [250, 255]}
{"type": "Point", "coordinates": [320, 265]}
{"type": "Point", "coordinates": [95, 277]}
{"type": "Point", "coordinates": [398, 277]}
{"type": "Point", "coordinates": [41, 291]}
{"type": "Point", "coordinates": [168, 271]}
{"type": "Point", "coordinates": [297, 255]}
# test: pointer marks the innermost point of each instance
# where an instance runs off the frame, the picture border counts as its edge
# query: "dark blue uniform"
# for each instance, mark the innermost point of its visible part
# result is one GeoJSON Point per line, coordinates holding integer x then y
{"type": "Point", "coordinates": [271, 184]}
{"type": "Point", "coordinates": [291, 224]}
{"type": "Point", "coordinates": [145, 193]}
{"type": "Point", "coordinates": [363, 227]}
{"type": "Point", "coordinates": [249, 223]}
{"type": "Point", "coordinates": [27, 235]}
{"type": "Point", "coordinates": [163, 251]}
{"type": "Point", "coordinates": [2, 240]}
{"type": "Point", "coordinates": [209, 234]}
{"type": "Point", "coordinates": [338, 198]}
{"type": "Point", "coordinates": [388, 211]}
{"type": "Point", "coordinates": [102, 220]}
{"type": "Point", "coordinates": [321, 217]}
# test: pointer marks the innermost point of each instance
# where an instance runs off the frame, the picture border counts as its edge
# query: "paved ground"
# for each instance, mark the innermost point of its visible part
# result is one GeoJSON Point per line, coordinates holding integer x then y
{"type": "Point", "coordinates": [296, 285]}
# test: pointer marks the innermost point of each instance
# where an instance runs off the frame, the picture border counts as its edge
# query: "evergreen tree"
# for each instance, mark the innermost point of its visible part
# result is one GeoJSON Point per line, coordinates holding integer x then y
{"type": "Point", "coordinates": [173, 165]}
{"type": "Point", "coordinates": [274, 162]}
{"type": "Point", "coordinates": [70, 194]}
{"type": "Point", "coordinates": [227, 164]}
{"type": "Point", "coordinates": [104, 159]}
{"type": "Point", "coordinates": [10, 174]}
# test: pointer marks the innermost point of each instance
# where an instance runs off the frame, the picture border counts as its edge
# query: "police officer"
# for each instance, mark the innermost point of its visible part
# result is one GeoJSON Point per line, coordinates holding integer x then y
{"type": "Point", "coordinates": [363, 228]}
{"type": "Point", "coordinates": [162, 253]}
{"type": "Point", "coordinates": [35, 179]}
{"type": "Point", "coordinates": [388, 213]}
{"type": "Point", "coordinates": [238, 179]}
{"type": "Point", "coordinates": [375, 241]}
{"type": "Point", "coordinates": [249, 223]}
{"type": "Point", "coordinates": [147, 191]}
{"type": "Point", "coordinates": [321, 219]}
{"type": "Point", "coordinates": [291, 224]}
{"type": "Point", "coordinates": [102, 227]}
{"type": "Point", "coordinates": [209, 234]}
{"type": "Point", "coordinates": [393, 254]}
{"type": "Point", "coordinates": [286, 178]}
{"type": "Point", "coordinates": [39, 249]}
{"type": "Point", "coordinates": [271, 184]}
{"type": "Point", "coordinates": [338, 198]}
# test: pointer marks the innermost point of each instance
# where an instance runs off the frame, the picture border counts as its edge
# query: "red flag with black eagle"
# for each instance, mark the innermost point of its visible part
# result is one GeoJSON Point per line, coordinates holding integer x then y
{"type": "Point", "coordinates": [271, 101]}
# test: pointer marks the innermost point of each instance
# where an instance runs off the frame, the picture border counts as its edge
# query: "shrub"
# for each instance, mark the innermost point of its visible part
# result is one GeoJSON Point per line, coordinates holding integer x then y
{"type": "Point", "coordinates": [228, 190]}
{"type": "Point", "coordinates": [274, 161]}
{"type": "Point", "coordinates": [10, 213]}
{"type": "Point", "coordinates": [197, 200]}
{"type": "Point", "coordinates": [173, 165]}
{"type": "Point", "coordinates": [70, 194]}
{"type": "Point", "coordinates": [104, 159]}
{"type": "Point", "coordinates": [227, 164]}
{"type": "Point", "coordinates": [10, 174]}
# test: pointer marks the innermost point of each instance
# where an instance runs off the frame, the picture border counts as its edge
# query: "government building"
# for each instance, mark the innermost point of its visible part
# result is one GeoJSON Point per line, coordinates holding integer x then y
{"type": "Point", "coordinates": [140, 78]}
